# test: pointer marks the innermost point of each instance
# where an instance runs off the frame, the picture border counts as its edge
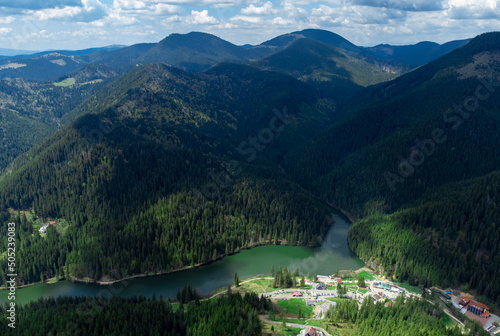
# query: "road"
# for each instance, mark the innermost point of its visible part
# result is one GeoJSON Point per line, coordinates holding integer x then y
{"type": "Point", "coordinates": [265, 318]}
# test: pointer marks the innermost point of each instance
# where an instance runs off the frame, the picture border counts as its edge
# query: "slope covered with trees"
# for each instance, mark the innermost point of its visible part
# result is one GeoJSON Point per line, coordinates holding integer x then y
{"type": "Point", "coordinates": [418, 159]}
{"type": "Point", "coordinates": [229, 315]}
{"type": "Point", "coordinates": [163, 175]}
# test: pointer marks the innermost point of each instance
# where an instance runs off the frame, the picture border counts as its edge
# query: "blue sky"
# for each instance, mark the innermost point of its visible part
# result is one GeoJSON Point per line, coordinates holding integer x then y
{"type": "Point", "coordinates": [78, 24]}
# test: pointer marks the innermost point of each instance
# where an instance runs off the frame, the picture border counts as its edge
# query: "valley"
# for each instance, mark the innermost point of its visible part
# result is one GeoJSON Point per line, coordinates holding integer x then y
{"type": "Point", "coordinates": [170, 169]}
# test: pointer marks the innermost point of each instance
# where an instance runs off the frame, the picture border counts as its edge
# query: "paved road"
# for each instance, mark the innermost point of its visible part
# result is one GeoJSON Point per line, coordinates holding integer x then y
{"type": "Point", "coordinates": [265, 318]}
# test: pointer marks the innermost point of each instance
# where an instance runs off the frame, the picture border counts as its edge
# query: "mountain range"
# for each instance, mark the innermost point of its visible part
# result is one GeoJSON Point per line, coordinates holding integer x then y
{"type": "Point", "coordinates": [157, 157]}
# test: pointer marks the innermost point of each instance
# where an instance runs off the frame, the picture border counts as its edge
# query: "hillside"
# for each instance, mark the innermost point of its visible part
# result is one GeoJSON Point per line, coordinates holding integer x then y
{"type": "Point", "coordinates": [416, 135]}
{"type": "Point", "coordinates": [163, 173]}
{"type": "Point", "coordinates": [30, 110]}
{"type": "Point", "coordinates": [312, 61]}
{"type": "Point", "coordinates": [417, 54]}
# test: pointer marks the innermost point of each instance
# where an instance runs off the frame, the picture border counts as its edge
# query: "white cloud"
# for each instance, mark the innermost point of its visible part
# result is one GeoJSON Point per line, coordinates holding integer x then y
{"type": "Point", "coordinates": [467, 10]}
{"type": "Point", "coordinates": [91, 10]}
{"type": "Point", "coordinates": [202, 18]}
{"type": "Point", "coordinates": [5, 31]}
{"type": "Point", "coordinates": [244, 18]}
{"type": "Point", "coordinates": [7, 19]}
{"type": "Point", "coordinates": [281, 21]}
{"type": "Point", "coordinates": [408, 5]}
{"type": "Point", "coordinates": [162, 9]}
{"type": "Point", "coordinates": [266, 9]}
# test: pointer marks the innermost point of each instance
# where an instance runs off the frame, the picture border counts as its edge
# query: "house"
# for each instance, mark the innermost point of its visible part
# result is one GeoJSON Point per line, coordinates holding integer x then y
{"type": "Point", "coordinates": [479, 308]}
{"type": "Point", "coordinates": [339, 281]}
{"type": "Point", "coordinates": [310, 331]}
{"type": "Point", "coordinates": [297, 294]}
{"type": "Point", "coordinates": [320, 286]}
{"type": "Point", "coordinates": [475, 307]}
{"type": "Point", "coordinates": [51, 223]}
{"type": "Point", "coordinates": [464, 301]}
{"type": "Point", "coordinates": [43, 229]}
{"type": "Point", "coordinates": [376, 297]}
{"type": "Point", "coordinates": [310, 303]}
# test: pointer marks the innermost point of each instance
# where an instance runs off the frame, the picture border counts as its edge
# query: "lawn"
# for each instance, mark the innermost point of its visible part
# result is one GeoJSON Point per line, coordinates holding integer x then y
{"type": "Point", "coordinates": [448, 322]}
{"type": "Point", "coordinates": [67, 82]}
{"type": "Point", "coordinates": [410, 288]}
{"type": "Point", "coordinates": [367, 275]}
{"type": "Point", "coordinates": [292, 307]}
{"type": "Point", "coordinates": [278, 330]}
{"type": "Point", "coordinates": [258, 286]}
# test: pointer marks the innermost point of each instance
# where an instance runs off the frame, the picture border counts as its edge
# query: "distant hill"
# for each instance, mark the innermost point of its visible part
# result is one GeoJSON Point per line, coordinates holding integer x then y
{"type": "Point", "coordinates": [310, 60]}
{"type": "Point", "coordinates": [15, 52]}
{"type": "Point", "coordinates": [417, 54]}
{"type": "Point", "coordinates": [319, 35]}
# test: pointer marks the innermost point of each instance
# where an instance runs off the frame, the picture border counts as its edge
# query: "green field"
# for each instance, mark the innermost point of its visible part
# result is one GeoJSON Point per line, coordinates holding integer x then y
{"type": "Point", "coordinates": [258, 286]}
{"type": "Point", "coordinates": [366, 275]}
{"type": "Point", "coordinates": [67, 82]}
{"type": "Point", "coordinates": [278, 329]}
{"type": "Point", "coordinates": [410, 288]}
{"type": "Point", "coordinates": [448, 322]}
{"type": "Point", "coordinates": [292, 307]}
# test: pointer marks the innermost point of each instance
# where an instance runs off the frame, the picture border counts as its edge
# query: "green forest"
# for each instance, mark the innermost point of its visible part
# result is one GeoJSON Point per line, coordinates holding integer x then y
{"type": "Point", "coordinates": [412, 316]}
{"type": "Point", "coordinates": [232, 315]}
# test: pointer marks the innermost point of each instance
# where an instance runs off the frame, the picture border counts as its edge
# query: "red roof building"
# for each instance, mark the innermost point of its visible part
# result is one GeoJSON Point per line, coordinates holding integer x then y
{"type": "Point", "coordinates": [52, 223]}
{"type": "Point", "coordinates": [296, 293]}
{"type": "Point", "coordinates": [464, 301]}
{"type": "Point", "coordinates": [310, 331]}
{"type": "Point", "coordinates": [339, 280]}
{"type": "Point", "coordinates": [475, 307]}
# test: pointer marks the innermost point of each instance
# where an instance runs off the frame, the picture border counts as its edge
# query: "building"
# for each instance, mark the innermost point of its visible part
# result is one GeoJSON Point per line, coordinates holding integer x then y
{"type": "Point", "coordinates": [339, 281]}
{"type": "Point", "coordinates": [464, 301]}
{"type": "Point", "coordinates": [310, 303]}
{"type": "Point", "coordinates": [43, 229]}
{"type": "Point", "coordinates": [376, 298]}
{"type": "Point", "coordinates": [479, 308]}
{"type": "Point", "coordinates": [311, 331]}
{"type": "Point", "coordinates": [297, 294]}
{"type": "Point", "coordinates": [320, 286]}
{"type": "Point", "coordinates": [475, 307]}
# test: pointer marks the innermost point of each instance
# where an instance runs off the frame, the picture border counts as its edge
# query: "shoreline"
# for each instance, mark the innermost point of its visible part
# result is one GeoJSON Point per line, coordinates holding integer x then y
{"type": "Point", "coordinates": [331, 221]}
{"type": "Point", "coordinates": [150, 274]}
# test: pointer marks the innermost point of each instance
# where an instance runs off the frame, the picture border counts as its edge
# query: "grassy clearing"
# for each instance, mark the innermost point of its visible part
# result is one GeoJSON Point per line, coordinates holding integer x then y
{"type": "Point", "coordinates": [410, 288]}
{"type": "Point", "coordinates": [448, 322]}
{"type": "Point", "coordinates": [92, 82]}
{"type": "Point", "coordinates": [367, 275]}
{"type": "Point", "coordinates": [258, 286]}
{"type": "Point", "coordinates": [67, 82]}
{"type": "Point", "coordinates": [278, 330]}
{"type": "Point", "coordinates": [292, 307]}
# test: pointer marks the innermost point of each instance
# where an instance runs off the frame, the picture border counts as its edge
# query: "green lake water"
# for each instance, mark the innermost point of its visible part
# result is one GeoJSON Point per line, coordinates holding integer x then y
{"type": "Point", "coordinates": [333, 253]}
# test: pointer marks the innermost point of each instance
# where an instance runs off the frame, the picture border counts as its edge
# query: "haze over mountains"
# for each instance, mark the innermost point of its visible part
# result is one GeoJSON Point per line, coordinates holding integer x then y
{"type": "Point", "coordinates": [177, 153]}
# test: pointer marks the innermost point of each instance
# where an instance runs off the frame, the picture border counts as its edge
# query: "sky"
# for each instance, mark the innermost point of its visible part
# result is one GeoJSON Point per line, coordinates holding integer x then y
{"type": "Point", "coordinates": [79, 24]}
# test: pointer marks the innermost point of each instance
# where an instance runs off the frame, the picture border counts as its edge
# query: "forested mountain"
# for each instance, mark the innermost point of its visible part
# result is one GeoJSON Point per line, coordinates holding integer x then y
{"type": "Point", "coordinates": [161, 156]}
{"type": "Point", "coordinates": [416, 54]}
{"type": "Point", "coordinates": [30, 110]}
{"type": "Point", "coordinates": [171, 169]}
{"type": "Point", "coordinates": [418, 160]}
{"type": "Point", "coordinates": [312, 61]}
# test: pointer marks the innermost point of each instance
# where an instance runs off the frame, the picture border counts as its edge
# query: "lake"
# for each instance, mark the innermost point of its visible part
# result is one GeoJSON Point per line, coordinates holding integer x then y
{"type": "Point", "coordinates": [333, 253]}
